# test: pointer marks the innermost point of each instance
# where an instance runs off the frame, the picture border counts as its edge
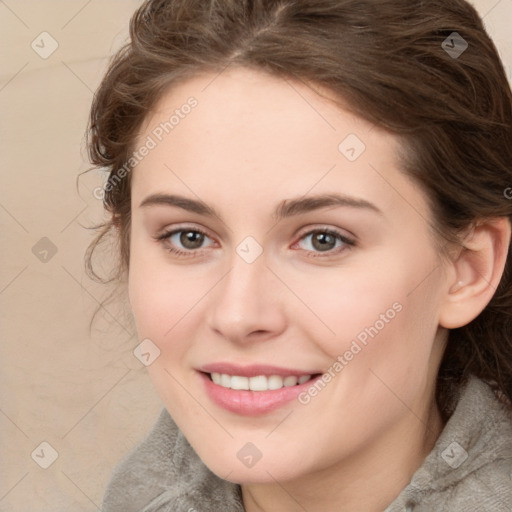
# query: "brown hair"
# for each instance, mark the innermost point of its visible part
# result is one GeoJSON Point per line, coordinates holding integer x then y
{"type": "Point", "coordinates": [387, 60]}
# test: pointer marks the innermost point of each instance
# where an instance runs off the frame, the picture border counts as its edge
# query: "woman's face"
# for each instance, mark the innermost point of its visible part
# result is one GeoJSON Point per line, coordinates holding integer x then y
{"type": "Point", "coordinates": [296, 248]}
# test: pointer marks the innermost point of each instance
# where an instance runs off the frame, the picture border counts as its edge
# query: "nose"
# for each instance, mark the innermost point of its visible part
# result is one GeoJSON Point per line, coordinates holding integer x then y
{"type": "Point", "coordinates": [247, 305]}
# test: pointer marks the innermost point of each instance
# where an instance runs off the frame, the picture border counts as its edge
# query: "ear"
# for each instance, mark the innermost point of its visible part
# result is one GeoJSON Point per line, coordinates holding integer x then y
{"type": "Point", "coordinates": [474, 273]}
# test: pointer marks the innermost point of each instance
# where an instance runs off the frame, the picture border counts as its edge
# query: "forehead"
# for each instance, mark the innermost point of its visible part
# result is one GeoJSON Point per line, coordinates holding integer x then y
{"type": "Point", "coordinates": [255, 135]}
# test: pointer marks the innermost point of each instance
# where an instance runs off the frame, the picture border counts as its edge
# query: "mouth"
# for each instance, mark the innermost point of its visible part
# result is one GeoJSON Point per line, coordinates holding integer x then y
{"type": "Point", "coordinates": [254, 390]}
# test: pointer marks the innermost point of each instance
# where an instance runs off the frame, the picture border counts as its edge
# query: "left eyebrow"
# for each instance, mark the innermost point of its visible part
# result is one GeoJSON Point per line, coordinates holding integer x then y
{"type": "Point", "coordinates": [301, 205]}
{"type": "Point", "coordinates": [285, 209]}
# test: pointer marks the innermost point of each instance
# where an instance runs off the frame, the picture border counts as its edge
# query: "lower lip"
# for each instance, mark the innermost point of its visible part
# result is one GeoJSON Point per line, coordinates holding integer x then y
{"type": "Point", "coordinates": [253, 403]}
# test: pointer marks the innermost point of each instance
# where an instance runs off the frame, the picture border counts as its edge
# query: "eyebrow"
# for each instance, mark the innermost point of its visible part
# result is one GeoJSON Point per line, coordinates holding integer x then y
{"type": "Point", "coordinates": [285, 209]}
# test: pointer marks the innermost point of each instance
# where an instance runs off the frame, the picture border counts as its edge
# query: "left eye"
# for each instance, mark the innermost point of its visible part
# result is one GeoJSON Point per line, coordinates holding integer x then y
{"type": "Point", "coordinates": [324, 240]}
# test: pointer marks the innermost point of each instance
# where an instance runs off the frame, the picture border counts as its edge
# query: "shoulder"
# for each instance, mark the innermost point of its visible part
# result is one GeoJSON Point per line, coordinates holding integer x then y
{"type": "Point", "coordinates": [488, 488]}
{"type": "Point", "coordinates": [474, 453]}
{"type": "Point", "coordinates": [470, 466]}
{"type": "Point", "coordinates": [163, 473]}
{"type": "Point", "coordinates": [139, 475]}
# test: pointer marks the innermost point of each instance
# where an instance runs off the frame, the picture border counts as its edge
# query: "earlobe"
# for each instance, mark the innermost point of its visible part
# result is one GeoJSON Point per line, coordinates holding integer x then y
{"type": "Point", "coordinates": [476, 272]}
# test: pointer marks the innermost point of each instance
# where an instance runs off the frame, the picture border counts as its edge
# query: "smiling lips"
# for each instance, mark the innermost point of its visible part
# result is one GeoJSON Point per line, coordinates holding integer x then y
{"type": "Point", "coordinates": [253, 390]}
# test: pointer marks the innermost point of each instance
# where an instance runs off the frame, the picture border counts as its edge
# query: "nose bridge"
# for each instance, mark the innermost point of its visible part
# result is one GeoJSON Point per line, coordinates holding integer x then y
{"type": "Point", "coordinates": [245, 301]}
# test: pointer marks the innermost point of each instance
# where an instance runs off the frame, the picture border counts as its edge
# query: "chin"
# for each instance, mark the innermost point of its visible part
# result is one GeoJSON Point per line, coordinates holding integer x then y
{"type": "Point", "coordinates": [262, 471]}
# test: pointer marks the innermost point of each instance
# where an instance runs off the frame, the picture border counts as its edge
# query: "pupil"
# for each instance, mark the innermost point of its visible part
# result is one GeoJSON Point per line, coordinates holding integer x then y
{"type": "Point", "coordinates": [323, 241]}
{"type": "Point", "coordinates": [191, 239]}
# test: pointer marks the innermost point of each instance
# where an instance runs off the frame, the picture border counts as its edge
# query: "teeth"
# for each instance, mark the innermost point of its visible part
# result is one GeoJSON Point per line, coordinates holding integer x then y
{"type": "Point", "coordinates": [225, 380]}
{"type": "Point", "coordinates": [290, 381]}
{"type": "Point", "coordinates": [239, 382]}
{"type": "Point", "coordinates": [258, 383]}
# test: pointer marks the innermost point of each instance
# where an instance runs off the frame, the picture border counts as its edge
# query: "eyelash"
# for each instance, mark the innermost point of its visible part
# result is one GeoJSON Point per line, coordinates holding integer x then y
{"type": "Point", "coordinates": [191, 253]}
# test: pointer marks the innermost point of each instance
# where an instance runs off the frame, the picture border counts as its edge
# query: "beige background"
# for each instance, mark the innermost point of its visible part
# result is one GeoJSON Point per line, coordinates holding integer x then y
{"type": "Point", "coordinates": [82, 392]}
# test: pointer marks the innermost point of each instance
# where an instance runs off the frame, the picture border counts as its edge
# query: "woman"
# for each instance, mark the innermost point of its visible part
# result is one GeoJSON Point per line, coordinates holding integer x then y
{"type": "Point", "coordinates": [311, 205]}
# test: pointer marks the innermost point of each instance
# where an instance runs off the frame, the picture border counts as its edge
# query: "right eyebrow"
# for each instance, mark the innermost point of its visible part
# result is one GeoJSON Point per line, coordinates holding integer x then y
{"type": "Point", "coordinates": [184, 203]}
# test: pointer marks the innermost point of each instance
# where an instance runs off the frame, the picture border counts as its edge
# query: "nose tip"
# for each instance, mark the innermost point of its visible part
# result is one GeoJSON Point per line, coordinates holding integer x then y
{"type": "Point", "coordinates": [245, 305]}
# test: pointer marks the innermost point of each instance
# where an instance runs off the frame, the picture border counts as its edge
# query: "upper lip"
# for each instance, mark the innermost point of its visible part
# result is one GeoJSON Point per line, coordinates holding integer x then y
{"type": "Point", "coordinates": [253, 370]}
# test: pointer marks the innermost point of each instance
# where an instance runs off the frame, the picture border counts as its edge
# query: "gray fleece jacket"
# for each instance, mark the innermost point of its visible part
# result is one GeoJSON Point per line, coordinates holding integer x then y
{"type": "Point", "coordinates": [468, 470]}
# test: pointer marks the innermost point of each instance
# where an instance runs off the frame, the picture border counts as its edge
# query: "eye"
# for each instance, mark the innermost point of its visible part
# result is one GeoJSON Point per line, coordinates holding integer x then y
{"type": "Point", "coordinates": [325, 241]}
{"type": "Point", "coordinates": [184, 241]}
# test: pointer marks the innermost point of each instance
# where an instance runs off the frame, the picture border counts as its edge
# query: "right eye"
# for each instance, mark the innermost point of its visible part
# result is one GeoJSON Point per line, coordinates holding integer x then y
{"type": "Point", "coordinates": [184, 241]}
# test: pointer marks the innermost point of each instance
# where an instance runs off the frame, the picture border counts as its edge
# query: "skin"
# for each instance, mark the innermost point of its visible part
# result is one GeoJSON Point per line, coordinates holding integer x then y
{"type": "Point", "coordinates": [252, 142]}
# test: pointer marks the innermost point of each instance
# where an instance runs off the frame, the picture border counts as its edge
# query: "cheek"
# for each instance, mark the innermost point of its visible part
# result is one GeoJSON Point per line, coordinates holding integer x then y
{"type": "Point", "coordinates": [168, 306]}
{"type": "Point", "coordinates": [163, 305]}
{"type": "Point", "coordinates": [343, 302]}
{"type": "Point", "coordinates": [380, 357]}
{"type": "Point", "coordinates": [162, 295]}
{"type": "Point", "coordinates": [375, 315]}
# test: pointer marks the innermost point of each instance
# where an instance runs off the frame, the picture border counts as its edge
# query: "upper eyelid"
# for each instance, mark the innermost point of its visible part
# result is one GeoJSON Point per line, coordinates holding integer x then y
{"type": "Point", "coordinates": [165, 232]}
{"type": "Point", "coordinates": [323, 227]}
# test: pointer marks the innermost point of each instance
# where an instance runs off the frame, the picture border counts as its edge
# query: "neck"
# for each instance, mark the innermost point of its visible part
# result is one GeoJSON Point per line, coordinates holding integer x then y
{"type": "Point", "coordinates": [386, 467]}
